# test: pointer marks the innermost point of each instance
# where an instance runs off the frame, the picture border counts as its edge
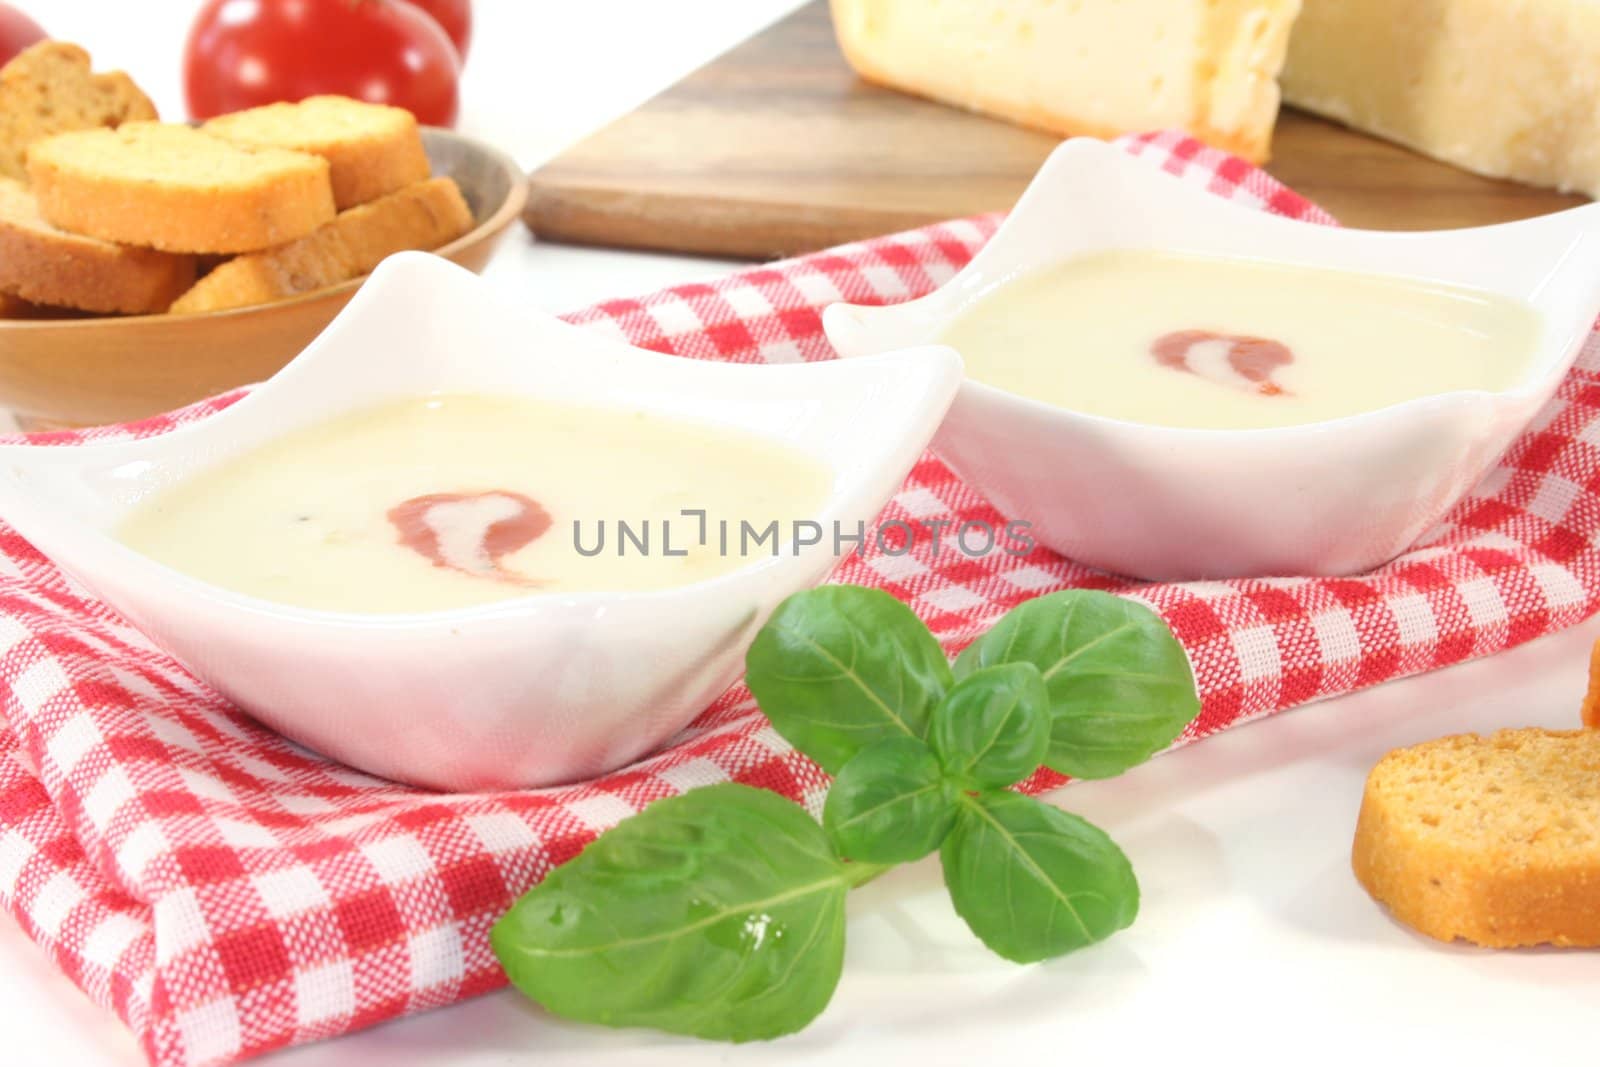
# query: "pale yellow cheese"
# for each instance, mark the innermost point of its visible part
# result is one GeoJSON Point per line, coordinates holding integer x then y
{"type": "Point", "coordinates": [1507, 88]}
{"type": "Point", "coordinates": [1090, 67]}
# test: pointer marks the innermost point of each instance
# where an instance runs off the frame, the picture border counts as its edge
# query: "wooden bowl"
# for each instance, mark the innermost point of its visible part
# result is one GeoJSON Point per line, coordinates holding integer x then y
{"type": "Point", "coordinates": [89, 371]}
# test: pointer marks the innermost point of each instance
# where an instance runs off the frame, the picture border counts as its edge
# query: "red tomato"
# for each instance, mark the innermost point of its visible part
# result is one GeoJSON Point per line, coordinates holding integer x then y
{"type": "Point", "coordinates": [244, 53]}
{"type": "Point", "coordinates": [18, 31]}
{"type": "Point", "coordinates": [455, 16]}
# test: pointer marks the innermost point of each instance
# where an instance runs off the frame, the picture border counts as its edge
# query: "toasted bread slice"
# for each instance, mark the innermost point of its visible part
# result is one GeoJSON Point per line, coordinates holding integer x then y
{"type": "Point", "coordinates": [177, 189]}
{"type": "Point", "coordinates": [421, 216]}
{"type": "Point", "coordinates": [49, 89]}
{"type": "Point", "coordinates": [373, 150]}
{"type": "Point", "coordinates": [15, 308]}
{"type": "Point", "coordinates": [1492, 839]}
{"type": "Point", "coordinates": [43, 265]}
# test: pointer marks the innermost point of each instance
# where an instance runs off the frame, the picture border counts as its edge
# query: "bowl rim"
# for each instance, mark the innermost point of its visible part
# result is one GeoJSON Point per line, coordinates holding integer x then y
{"type": "Point", "coordinates": [495, 221]}
{"type": "Point", "coordinates": [934, 381]}
{"type": "Point", "coordinates": [830, 510]}
{"type": "Point", "coordinates": [1538, 381]}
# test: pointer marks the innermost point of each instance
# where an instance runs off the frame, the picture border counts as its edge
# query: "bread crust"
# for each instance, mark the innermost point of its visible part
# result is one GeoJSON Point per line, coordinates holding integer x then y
{"type": "Point", "coordinates": [136, 185]}
{"type": "Point", "coordinates": [425, 215]}
{"type": "Point", "coordinates": [12, 307]}
{"type": "Point", "coordinates": [42, 265]}
{"type": "Point", "coordinates": [372, 150]}
{"type": "Point", "coordinates": [1449, 874]}
{"type": "Point", "coordinates": [51, 88]}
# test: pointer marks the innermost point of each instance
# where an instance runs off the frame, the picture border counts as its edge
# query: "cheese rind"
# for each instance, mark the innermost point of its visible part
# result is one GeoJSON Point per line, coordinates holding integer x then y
{"type": "Point", "coordinates": [1506, 88]}
{"type": "Point", "coordinates": [1074, 67]}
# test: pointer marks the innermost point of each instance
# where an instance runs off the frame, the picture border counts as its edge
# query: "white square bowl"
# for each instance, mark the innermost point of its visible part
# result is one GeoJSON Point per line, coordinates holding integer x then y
{"type": "Point", "coordinates": [532, 691]}
{"type": "Point", "coordinates": [1325, 498]}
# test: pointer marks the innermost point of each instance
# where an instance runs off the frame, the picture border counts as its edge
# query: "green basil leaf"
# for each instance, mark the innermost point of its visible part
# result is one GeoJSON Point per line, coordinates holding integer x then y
{"type": "Point", "coordinates": [718, 913]}
{"type": "Point", "coordinates": [1032, 881]}
{"type": "Point", "coordinates": [840, 667]}
{"type": "Point", "coordinates": [992, 729]}
{"type": "Point", "coordinates": [890, 803]}
{"type": "Point", "coordinates": [1120, 685]}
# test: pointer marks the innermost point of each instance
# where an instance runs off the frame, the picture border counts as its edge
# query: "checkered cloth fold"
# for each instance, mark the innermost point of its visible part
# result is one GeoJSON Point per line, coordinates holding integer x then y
{"type": "Point", "coordinates": [226, 892]}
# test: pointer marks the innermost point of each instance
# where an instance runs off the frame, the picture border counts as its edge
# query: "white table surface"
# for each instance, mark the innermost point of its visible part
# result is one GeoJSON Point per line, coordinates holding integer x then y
{"type": "Point", "coordinates": [1254, 943]}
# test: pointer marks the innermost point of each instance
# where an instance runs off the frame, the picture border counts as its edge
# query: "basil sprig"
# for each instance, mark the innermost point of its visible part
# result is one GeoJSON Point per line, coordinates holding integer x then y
{"type": "Point", "coordinates": [1119, 683]}
{"type": "Point", "coordinates": [720, 913]}
{"type": "Point", "coordinates": [840, 667]}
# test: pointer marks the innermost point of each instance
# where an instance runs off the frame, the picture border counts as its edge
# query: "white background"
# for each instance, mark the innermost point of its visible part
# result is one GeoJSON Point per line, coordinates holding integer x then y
{"type": "Point", "coordinates": [1255, 945]}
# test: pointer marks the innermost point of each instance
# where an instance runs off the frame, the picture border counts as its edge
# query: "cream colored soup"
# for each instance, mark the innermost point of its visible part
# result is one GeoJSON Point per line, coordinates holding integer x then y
{"type": "Point", "coordinates": [448, 501]}
{"type": "Point", "coordinates": [1192, 341]}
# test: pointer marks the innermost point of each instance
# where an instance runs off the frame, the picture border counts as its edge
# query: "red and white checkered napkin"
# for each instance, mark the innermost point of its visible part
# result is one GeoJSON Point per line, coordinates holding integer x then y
{"type": "Point", "coordinates": [226, 892]}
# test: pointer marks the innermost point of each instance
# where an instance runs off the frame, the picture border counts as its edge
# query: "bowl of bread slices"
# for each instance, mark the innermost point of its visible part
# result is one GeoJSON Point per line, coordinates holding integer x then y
{"type": "Point", "coordinates": [145, 265]}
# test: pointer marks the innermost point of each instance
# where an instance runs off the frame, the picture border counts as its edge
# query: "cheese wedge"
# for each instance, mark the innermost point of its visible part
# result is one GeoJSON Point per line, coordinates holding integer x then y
{"type": "Point", "coordinates": [1506, 88]}
{"type": "Point", "coordinates": [1081, 67]}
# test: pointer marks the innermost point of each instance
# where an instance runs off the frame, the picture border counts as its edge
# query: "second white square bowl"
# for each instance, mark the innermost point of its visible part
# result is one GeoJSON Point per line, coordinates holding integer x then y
{"type": "Point", "coordinates": [1326, 498]}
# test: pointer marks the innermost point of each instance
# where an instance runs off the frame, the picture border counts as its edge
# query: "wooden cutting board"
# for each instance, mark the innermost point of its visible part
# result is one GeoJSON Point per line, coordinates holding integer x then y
{"type": "Point", "coordinates": [777, 148]}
